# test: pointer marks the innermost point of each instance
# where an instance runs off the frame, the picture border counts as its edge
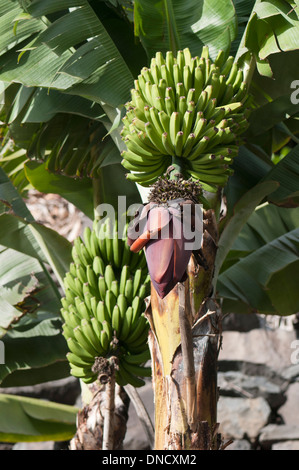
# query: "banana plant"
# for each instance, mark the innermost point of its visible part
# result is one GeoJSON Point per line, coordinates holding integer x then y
{"type": "Point", "coordinates": [65, 96]}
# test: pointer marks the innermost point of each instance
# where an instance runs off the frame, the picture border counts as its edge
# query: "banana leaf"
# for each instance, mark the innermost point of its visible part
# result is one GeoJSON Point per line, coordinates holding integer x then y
{"type": "Point", "coordinates": [73, 53]}
{"type": "Point", "coordinates": [264, 256]}
{"type": "Point", "coordinates": [173, 25]}
{"type": "Point", "coordinates": [26, 419]}
{"type": "Point", "coordinates": [23, 234]}
{"type": "Point", "coordinates": [242, 212]}
{"type": "Point", "coordinates": [273, 27]}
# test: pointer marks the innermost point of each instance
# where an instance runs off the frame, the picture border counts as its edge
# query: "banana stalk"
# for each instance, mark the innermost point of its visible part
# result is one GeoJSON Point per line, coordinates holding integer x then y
{"type": "Point", "coordinates": [185, 376]}
{"type": "Point", "coordinates": [91, 422]}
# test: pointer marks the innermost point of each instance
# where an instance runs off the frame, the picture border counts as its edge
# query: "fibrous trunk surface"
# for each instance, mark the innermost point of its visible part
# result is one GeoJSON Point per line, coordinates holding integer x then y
{"type": "Point", "coordinates": [185, 338]}
{"type": "Point", "coordinates": [90, 419]}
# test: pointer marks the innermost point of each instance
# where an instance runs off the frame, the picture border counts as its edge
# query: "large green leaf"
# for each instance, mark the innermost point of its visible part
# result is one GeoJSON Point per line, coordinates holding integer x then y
{"type": "Point", "coordinates": [242, 211]}
{"type": "Point", "coordinates": [272, 27]}
{"type": "Point", "coordinates": [38, 241]}
{"type": "Point", "coordinates": [74, 53]}
{"type": "Point", "coordinates": [173, 24]}
{"type": "Point", "coordinates": [253, 165]}
{"type": "Point", "coordinates": [26, 419]}
{"type": "Point", "coordinates": [30, 322]}
{"type": "Point", "coordinates": [265, 254]}
{"type": "Point", "coordinates": [78, 192]}
{"type": "Point", "coordinates": [243, 11]}
{"type": "Point", "coordinates": [20, 232]}
{"type": "Point", "coordinates": [35, 350]}
{"type": "Point", "coordinates": [286, 172]}
{"type": "Point", "coordinates": [29, 297]}
{"type": "Point", "coordinates": [45, 104]}
{"type": "Point", "coordinates": [18, 282]}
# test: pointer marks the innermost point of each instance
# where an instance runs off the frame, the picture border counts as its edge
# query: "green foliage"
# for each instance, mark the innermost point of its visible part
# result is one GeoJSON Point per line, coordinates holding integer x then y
{"type": "Point", "coordinates": [248, 285]}
{"type": "Point", "coordinates": [67, 67]}
{"type": "Point", "coordinates": [171, 25]}
{"type": "Point", "coordinates": [29, 297]}
{"type": "Point", "coordinates": [104, 305]}
{"type": "Point", "coordinates": [31, 420]}
{"type": "Point", "coordinates": [188, 111]}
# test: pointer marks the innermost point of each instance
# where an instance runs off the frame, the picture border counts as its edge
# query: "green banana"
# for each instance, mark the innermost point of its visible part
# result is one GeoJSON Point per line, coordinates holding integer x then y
{"type": "Point", "coordinates": [138, 358]}
{"type": "Point", "coordinates": [105, 340]}
{"type": "Point", "coordinates": [164, 120]}
{"type": "Point", "coordinates": [83, 373]}
{"type": "Point", "coordinates": [169, 148]}
{"type": "Point", "coordinates": [102, 287]}
{"type": "Point", "coordinates": [140, 160]}
{"type": "Point", "coordinates": [219, 61]}
{"type": "Point", "coordinates": [109, 276]}
{"type": "Point", "coordinates": [143, 291]}
{"type": "Point", "coordinates": [78, 361]}
{"type": "Point", "coordinates": [154, 137]}
{"type": "Point", "coordinates": [176, 89]}
{"type": "Point", "coordinates": [73, 269]}
{"type": "Point", "coordinates": [124, 276]}
{"type": "Point", "coordinates": [146, 178]}
{"type": "Point", "coordinates": [77, 349]}
{"type": "Point", "coordinates": [174, 127]}
{"type": "Point", "coordinates": [137, 370]}
{"type": "Point", "coordinates": [84, 341]}
{"type": "Point", "coordinates": [140, 327]}
{"type": "Point", "coordinates": [137, 281]}
{"type": "Point", "coordinates": [116, 320]}
{"type": "Point", "coordinates": [139, 343]}
{"type": "Point", "coordinates": [110, 302]}
{"type": "Point", "coordinates": [107, 328]}
{"type": "Point", "coordinates": [122, 305]}
{"type": "Point", "coordinates": [91, 278]}
{"type": "Point", "coordinates": [115, 288]}
{"type": "Point", "coordinates": [129, 289]}
{"type": "Point", "coordinates": [199, 148]}
{"type": "Point", "coordinates": [98, 266]}
{"type": "Point", "coordinates": [82, 309]}
{"type": "Point", "coordinates": [67, 331]}
{"type": "Point", "coordinates": [93, 310]}
{"type": "Point", "coordinates": [179, 143]}
{"type": "Point", "coordinates": [128, 378]}
{"type": "Point", "coordinates": [96, 325]}
{"type": "Point", "coordinates": [136, 306]}
{"type": "Point", "coordinates": [102, 313]}
{"type": "Point", "coordinates": [126, 324]}
{"type": "Point", "coordinates": [89, 333]}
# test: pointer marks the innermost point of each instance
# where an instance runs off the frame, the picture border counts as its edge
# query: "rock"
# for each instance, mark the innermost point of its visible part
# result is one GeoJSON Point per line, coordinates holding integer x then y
{"type": "Point", "coordinates": [49, 445]}
{"type": "Point", "coordinates": [290, 410]}
{"type": "Point", "coordinates": [240, 322]}
{"type": "Point", "coordinates": [291, 373]}
{"type": "Point", "coordinates": [63, 391]}
{"type": "Point", "coordinates": [241, 417]}
{"type": "Point", "coordinates": [6, 446]}
{"type": "Point", "coordinates": [259, 346]}
{"type": "Point", "coordinates": [287, 445]}
{"type": "Point", "coordinates": [136, 438]}
{"type": "Point", "coordinates": [237, 384]}
{"type": "Point", "coordinates": [274, 433]}
{"type": "Point", "coordinates": [239, 444]}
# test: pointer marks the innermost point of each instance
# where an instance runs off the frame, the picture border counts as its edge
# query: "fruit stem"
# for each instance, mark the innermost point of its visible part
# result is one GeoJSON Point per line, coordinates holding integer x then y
{"type": "Point", "coordinates": [175, 170]}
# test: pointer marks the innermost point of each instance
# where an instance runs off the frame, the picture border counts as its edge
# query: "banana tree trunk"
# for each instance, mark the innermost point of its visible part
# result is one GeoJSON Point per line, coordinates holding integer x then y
{"type": "Point", "coordinates": [185, 338]}
{"type": "Point", "coordinates": [91, 418]}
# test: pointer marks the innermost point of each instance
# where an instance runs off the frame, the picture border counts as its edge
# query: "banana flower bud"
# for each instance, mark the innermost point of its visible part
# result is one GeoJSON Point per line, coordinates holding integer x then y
{"type": "Point", "coordinates": [168, 239]}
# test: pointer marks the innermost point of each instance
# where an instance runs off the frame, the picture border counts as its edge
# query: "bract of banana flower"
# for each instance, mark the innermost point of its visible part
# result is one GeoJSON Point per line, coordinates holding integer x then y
{"type": "Point", "coordinates": [166, 232]}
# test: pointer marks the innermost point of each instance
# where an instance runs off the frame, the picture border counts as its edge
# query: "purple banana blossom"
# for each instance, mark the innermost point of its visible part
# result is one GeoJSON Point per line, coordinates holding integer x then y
{"type": "Point", "coordinates": [159, 229]}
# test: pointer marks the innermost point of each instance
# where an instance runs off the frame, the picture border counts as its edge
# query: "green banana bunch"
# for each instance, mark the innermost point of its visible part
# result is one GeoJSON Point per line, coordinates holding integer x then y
{"type": "Point", "coordinates": [186, 107]}
{"type": "Point", "coordinates": [104, 304]}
